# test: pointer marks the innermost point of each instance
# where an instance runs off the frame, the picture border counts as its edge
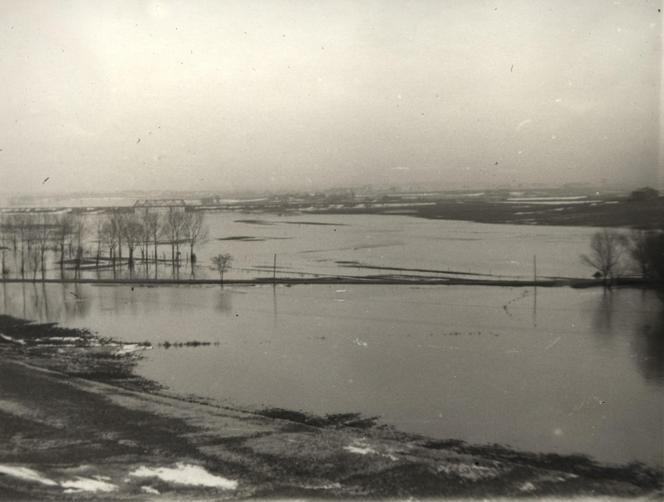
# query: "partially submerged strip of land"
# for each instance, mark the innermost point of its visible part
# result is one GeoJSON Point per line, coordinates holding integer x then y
{"type": "Point", "coordinates": [71, 432]}
{"type": "Point", "coordinates": [383, 279]}
{"type": "Point", "coordinates": [607, 213]}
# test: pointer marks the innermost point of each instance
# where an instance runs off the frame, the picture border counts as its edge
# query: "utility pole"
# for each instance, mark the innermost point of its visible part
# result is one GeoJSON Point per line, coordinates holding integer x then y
{"type": "Point", "coordinates": [535, 269]}
{"type": "Point", "coordinates": [274, 269]}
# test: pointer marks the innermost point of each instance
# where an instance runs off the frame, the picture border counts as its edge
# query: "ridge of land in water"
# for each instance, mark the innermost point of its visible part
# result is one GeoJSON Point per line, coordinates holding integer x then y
{"type": "Point", "coordinates": [368, 280]}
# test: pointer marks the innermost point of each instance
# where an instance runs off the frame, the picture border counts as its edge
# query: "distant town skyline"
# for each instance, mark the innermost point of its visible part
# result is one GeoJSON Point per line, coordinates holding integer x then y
{"type": "Point", "coordinates": [234, 96]}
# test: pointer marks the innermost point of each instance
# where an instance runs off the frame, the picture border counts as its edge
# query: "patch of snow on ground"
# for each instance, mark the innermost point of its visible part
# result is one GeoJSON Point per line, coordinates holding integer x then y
{"type": "Point", "coordinates": [129, 348]}
{"type": "Point", "coordinates": [468, 471]}
{"type": "Point", "coordinates": [527, 487]}
{"type": "Point", "coordinates": [12, 340]}
{"type": "Point", "coordinates": [185, 474]}
{"type": "Point", "coordinates": [26, 474]}
{"type": "Point", "coordinates": [95, 485]}
{"type": "Point", "coordinates": [360, 448]}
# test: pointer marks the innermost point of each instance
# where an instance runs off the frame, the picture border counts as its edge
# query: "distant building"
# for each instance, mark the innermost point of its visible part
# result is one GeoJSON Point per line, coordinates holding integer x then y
{"type": "Point", "coordinates": [160, 205]}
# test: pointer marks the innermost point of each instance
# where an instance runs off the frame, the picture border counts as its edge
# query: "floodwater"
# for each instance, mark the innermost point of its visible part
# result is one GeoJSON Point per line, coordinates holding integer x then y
{"type": "Point", "coordinates": [553, 370]}
{"type": "Point", "coordinates": [332, 245]}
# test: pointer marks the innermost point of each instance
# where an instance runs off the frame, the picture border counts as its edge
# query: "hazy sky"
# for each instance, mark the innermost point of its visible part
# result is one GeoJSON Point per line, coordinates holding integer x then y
{"type": "Point", "coordinates": [231, 95]}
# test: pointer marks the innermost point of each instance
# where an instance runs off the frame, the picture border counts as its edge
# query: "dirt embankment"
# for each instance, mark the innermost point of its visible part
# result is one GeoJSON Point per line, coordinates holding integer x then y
{"type": "Point", "coordinates": [76, 424]}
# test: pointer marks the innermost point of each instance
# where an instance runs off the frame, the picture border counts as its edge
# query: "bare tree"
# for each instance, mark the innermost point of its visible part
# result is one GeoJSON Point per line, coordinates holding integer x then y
{"type": "Point", "coordinates": [79, 228]}
{"type": "Point", "coordinates": [173, 227]}
{"type": "Point", "coordinates": [639, 250]}
{"type": "Point", "coordinates": [21, 224]}
{"type": "Point", "coordinates": [33, 260]}
{"type": "Point", "coordinates": [109, 239]}
{"type": "Point", "coordinates": [5, 239]}
{"type": "Point", "coordinates": [606, 250]}
{"type": "Point", "coordinates": [194, 231]}
{"type": "Point", "coordinates": [148, 221]}
{"type": "Point", "coordinates": [118, 220]}
{"type": "Point", "coordinates": [153, 224]}
{"type": "Point", "coordinates": [133, 234]}
{"type": "Point", "coordinates": [43, 236]}
{"type": "Point", "coordinates": [647, 251]}
{"type": "Point", "coordinates": [222, 262]}
{"type": "Point", "coordinates": [62, 234]}
{"type": "Point", "coordinates": [99, 234]}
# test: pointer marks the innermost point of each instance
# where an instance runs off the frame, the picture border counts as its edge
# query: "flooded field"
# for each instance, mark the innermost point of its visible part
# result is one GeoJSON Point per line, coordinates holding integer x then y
{"type": "Point", "coordinates": [340, 245]}
{"type": "Point", "coordinates": [562, 370]}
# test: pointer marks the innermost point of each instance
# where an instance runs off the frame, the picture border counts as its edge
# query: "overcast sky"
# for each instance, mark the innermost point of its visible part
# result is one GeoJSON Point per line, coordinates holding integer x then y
{"type": "Point", "coordinates": [306, 94]}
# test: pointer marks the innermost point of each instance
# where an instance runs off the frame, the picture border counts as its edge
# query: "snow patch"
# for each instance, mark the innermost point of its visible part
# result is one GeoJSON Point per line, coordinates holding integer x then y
{"type": "Point", "coordinates": [468, 471]}
{"type": "Point", "coordinates": [12, 340]}
{"type": "Point", "coordinates": [527, 487]}
{"type": "Point", "coordinates": [185, 474]}
{"type": "Point", "coordinates": [150, 490]}
{"type": "Point", "coordinates": [360, 450]}
{"type": "Point", "coordinates": [95, 485]}
{"type": "Point", "coordinates": [26, 474]}
{"type": "Point", "coordinates": [129, 348]}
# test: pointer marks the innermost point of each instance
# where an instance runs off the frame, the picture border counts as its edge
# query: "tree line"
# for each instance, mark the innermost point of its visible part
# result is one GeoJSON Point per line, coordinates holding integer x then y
{"type": "Point", "coordinates": [614, 254]}
{"type": "Point", "coordinates": [119, 239]}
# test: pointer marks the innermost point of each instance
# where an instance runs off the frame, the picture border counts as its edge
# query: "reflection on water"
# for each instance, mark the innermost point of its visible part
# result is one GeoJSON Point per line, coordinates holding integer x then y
{"type": "Point", "coordinates": [343, 245]}
{"type": "Point", "coordinates": [647, 338]}
{"type": "Point", "coordinates": [603, 316]}
{"type": "Point", "coordinates": [564, 371]}
{"type": "Point", "coordinates": [649, 346]}
{"type": "Point", "coordinates": [224, 301]}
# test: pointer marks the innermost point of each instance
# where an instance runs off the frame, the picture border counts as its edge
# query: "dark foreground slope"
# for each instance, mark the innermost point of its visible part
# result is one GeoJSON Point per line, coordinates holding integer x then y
{"type": "Point", "coordinates": [76, 424]}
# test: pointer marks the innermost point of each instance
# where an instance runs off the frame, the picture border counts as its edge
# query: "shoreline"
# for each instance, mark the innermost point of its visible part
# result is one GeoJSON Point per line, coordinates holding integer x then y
{"type": "Point", "coordinates": [88, 418]}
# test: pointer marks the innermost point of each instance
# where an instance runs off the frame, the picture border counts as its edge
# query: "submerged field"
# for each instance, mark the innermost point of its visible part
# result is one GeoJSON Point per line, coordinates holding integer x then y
{"type": "Point", "coordinates": [436, 377]}
{"type": "Point", "coordinates": [324, 246]}
{"type": "Point", "coordinates": [565, 371]}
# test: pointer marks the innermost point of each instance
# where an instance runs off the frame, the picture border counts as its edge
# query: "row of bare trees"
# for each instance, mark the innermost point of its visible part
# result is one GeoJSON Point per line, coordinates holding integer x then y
{"type": "Point", "coordinates": [614, 254]}
{"type": "Point", "coordinates": [146, 231]}
{"type": "Point", "coordinates": [29, 237]}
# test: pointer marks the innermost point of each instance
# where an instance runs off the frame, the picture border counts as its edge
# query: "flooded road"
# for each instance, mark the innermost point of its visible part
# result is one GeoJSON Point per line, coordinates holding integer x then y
{"type": "Point", "coordinates": [568, 371]}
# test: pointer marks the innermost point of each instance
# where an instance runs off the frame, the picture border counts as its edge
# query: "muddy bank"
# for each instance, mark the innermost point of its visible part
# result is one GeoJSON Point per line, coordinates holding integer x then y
{"type": "Point", "coordinates": [77, 423]}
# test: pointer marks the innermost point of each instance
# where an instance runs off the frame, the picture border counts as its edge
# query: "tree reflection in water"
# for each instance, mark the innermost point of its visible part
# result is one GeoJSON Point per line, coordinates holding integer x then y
{"type": "Point", "coordinates": [603, 317]}
{"type": "Point", "coordinates": [648, 345]}
{"type": "Point", "coordinates": [224, 301]}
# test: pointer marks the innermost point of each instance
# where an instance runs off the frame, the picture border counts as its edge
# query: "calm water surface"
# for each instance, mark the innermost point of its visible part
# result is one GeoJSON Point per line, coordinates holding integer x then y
{"type": "Point", "coordinates": [560, 371]}
{"type": "Point", "coordinates": [322, 245]}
